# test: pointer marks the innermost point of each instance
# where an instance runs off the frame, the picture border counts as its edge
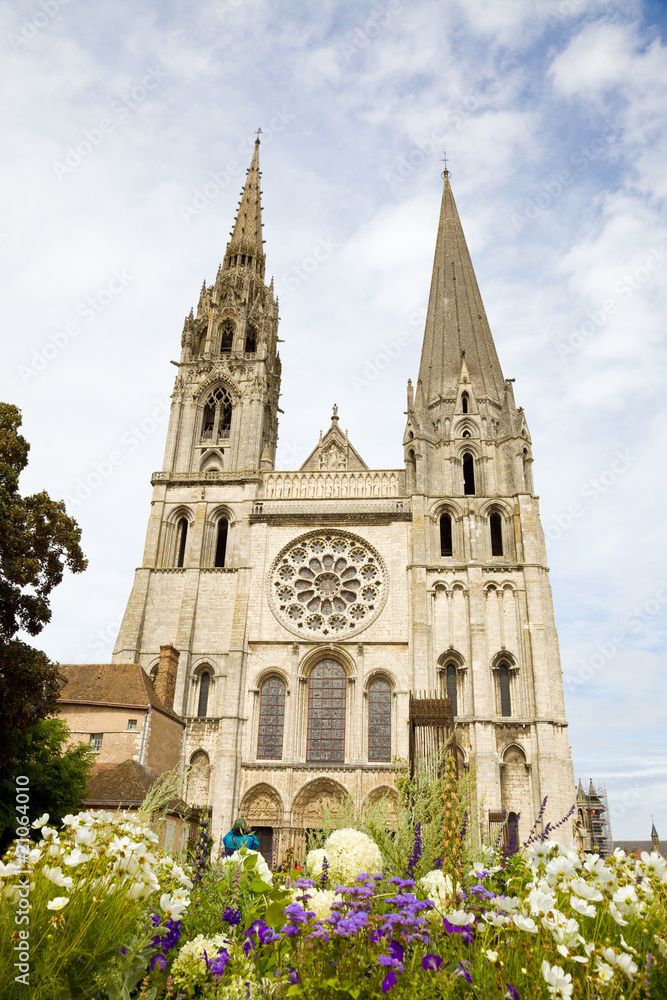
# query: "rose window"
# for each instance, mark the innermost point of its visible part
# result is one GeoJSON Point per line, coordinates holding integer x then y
{"type": "Point", "coordinates": [327, 585]}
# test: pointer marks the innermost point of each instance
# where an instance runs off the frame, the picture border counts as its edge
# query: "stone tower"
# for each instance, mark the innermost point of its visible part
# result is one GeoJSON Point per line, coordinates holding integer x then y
{"type": "Point", "coordinates": [306, 605]}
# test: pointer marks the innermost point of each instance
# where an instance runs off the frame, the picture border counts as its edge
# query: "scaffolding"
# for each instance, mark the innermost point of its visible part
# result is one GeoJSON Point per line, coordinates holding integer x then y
{"type": "Point", "coordinates": [593, 824]}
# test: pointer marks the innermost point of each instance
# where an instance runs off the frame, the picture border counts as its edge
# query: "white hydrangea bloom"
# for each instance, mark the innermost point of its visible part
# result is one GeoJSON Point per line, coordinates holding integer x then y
{"type": "Point", "coordinates": [320, 902]}
{"type": "Point", "coordinates": [189, 969]}
{"type": "Point", "coordinates": [351, 853]}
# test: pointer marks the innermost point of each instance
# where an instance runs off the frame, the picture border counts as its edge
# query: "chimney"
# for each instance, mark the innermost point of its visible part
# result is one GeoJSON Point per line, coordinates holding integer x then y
{"type": "Point", "coordinates": [165, 682]}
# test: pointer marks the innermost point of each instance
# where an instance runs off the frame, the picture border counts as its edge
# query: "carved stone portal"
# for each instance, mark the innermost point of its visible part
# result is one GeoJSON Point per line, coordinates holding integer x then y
{"type": "Point", "coordinates": [314, 799]}
{"type": "Point", "coordinates": [262, 806]}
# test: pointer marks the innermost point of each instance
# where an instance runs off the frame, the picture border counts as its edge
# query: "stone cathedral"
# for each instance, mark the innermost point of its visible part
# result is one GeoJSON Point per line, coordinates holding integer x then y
{"type": "Point", "coordinates": [307, 605]}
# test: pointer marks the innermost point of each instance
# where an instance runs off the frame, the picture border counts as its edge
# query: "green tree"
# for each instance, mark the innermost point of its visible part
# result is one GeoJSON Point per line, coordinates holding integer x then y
{"type": "Point", "coordinates": [57, 775]}
{"type": "Point", "coordinates": [37, 541]}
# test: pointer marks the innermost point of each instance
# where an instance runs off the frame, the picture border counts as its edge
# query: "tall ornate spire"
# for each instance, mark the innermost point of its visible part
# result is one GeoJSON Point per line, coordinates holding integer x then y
{"type": "Point", "coordinates": [456, 324]}
{"type": "Point", "coordinates": [246, 236]}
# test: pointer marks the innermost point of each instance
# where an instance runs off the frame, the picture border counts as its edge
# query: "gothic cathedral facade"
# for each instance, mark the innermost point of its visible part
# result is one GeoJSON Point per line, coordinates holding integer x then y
{"type": "Point", "coordinates": [307, 605]}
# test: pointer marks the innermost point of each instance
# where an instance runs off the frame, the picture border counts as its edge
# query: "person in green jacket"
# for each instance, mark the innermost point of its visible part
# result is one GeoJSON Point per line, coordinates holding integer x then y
{"type": "Point", "coordinates": [238, 838]}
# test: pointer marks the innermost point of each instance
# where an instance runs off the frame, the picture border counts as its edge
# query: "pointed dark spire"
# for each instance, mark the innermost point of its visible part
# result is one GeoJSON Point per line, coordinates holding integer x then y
{"type": "Point", "coordinates": [246, 236]}
{"type": "Point", "coordinates": [456, 324]}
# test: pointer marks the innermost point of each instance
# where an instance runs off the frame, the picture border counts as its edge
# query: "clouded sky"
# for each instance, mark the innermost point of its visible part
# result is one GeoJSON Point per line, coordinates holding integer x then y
{"type": "Point", "coordinates": [127, 131]}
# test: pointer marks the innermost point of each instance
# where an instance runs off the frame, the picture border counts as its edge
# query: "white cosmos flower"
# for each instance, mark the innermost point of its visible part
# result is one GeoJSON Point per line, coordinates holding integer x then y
{"type": "Point", "coordinates": [48, 832]}
{"type": "Point", "coordinates": [57, 903]}
{"type": "Point", "coordinates": [75, 857]}
{"type": "Point", "coordinates": [558, 868]}
{"type": "Point", "coordinates": [604, 971]}
{"type": "Point", "coordinates": [628, 947]}
{"type": "Point", "coordinates": [491, 955]}
{"type": "Point", "coordinates": [541, 902]}
{"type": "Point", "coordinates": [620, 959]}
{"type": "Point", "coordinates": [6, 870]}
{"type": "Point", "coordinates": [626, 899]}
{"type": "Point", "coordinates": [617, 915]}
{"type": "Point", "coordinates": [653, 862]}
{"type": "Point", "coordinates": [39, 823]}
{"type": "Point", "coordinates": [582, 907]}
{"type": "Point", "coordinates": [509, 903]}
{"type": "Point", "coordinates": [172, 906]}
{"type": "Point", "coordinates": [662, 947]}
{"type": "Point", "coordinates": [56, 875]}
{"type": "Point", "coordinates": [85, 835]}
{"type": "Point", "coordinates": [558, 982]}
{"type": "Point", "coordinates": [540, 852]}
{"type": "Point", "coordinates": [54, 849]}
{"type": "Point", "coordinates": [496, 919]}
{"type": "Point", "coordinates": [135, 890]}
{"type": "Point", "coordinates": [460, 918]}
{"type": "Point", "coordinates": [525, 923]}
{"type": "Point", "coordinates": [586, 891]}
{"type": "Point", "coordinates": [597, 867]}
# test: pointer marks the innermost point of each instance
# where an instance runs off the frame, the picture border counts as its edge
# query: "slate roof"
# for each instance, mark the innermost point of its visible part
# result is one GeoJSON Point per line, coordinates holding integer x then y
{"type": "Point", "coordinates": [456, 320]}
{"type": "Point", "coordinates": [119, 685]}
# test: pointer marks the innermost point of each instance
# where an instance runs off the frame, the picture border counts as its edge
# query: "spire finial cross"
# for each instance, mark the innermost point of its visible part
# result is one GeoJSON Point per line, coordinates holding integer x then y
{"type": "Point", "coordinates": [445, 172]}
{"type": "Point", "coordinates": [258, 133]}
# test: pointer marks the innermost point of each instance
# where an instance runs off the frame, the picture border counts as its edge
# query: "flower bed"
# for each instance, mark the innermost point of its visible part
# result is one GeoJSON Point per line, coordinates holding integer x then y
{"type": "Point", "coordinates": [545, 923]}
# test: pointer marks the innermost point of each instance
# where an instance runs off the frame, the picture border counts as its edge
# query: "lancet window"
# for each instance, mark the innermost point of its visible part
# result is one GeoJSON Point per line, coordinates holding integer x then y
{"type": "Point", "coordinates": [204, 686]}
{"type": "Point", "coordinates": [468, 474]}
{"type": "Point", "coordinates": [450, 679]}
{"type": "Point", "coordinates": [379, 720]}
{"type": "Point", "coordinates": [221, 542]}
{"type": "Point", "coordinates": [326, 713]}
{"type": "Point", "coordinates": [251, 339]}
{"type": "Point", "coordinates": [446, 535]}
{"type": "Point", "coordinates": [504, 685]}
{"type": "Point", "coordinates": [496, 528]}
{"type": "Point", "coordinates": [217, 421]}
{"type": "Point", "coordinates": [181, 540]}
{"type": "Point", "coordinates": [271, 719]}
{"type": "Point", "coordinates": [227, 337]}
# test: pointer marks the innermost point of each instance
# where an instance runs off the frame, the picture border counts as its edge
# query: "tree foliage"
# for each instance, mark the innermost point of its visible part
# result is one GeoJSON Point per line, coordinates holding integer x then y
{"type": "Point", "coordinates": [57, 775]}
{"type": "Point", "coordinates": [38, 540]}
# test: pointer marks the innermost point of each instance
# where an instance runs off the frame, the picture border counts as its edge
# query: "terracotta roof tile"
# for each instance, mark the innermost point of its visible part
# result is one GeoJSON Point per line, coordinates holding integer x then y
{"type": "Point", "coordinates": [125, 684]}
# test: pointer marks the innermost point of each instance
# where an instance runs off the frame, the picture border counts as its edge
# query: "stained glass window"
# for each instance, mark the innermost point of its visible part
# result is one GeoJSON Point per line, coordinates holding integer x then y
{"type": "Point", "coordinates": [326, 713]}
{"type": "Point", "coordinates": [451, 686]}
{"type": "Point", "coordinates": [379, 720]}
{"type": "Point", "coordinates": [271, 720]}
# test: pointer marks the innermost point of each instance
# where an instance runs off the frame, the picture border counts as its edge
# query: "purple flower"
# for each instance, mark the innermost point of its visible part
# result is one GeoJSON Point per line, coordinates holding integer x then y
{"type": "Point", "coordinates": [396, 950]}
{"type": "Point", "coordinates": [122, 950]}
{"type": "Point", "coordinates": [388, 981]}
{"type": "Point", "coordinates": [158, 961]}
{"type": "Point", "coordinates": [462, 970]}
{"type": "Point", "coordinates": [416, 854]}
{"type": "Point", "coordinates": [296, 915]}
{"type": "Point", "coordinates": [325, 872]}
{"type": "Point", "coordinates": [293, 976]}
{"type": "Point", "coordinates": [431, 963]}
{"type": "Point", "coordinates": [217, 965]}
{"type": "Point", "coordinates": [231, 916]}
{"type": "Point", "coordinates": [512, 993]}
{"type": "Point", "coordinates": [156, 920]}
{"type": "Point", "coordinates": [264, 934]}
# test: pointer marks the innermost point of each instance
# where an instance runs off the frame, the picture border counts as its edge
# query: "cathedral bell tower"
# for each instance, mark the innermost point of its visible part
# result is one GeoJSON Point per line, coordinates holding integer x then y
{"type": "Point", "coordinates": [225, 412]}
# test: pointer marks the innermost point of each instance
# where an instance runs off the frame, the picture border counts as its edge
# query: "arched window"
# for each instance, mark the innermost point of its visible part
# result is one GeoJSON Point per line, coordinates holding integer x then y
{"type": "Point", "coordinates": [217, 415]}
{"type": "Point", "coordinates": [181, 539]}
{"type": "Point", "coordinates": [271, 719]}
{"type": "Point", "coordinates": [451, 686]}
{"type": "Point", "coordinates": [326, 713]}
{"type": "Point", "coordinates": [446, 535]}
{"type": "Point", "coordinates": [221, 542]}
{"type": "Point", "coordinates": [504, 684]}
{"type": "Point", "coordinates": [251, 339]}
{"type": "Point", "coordinates": [227, 337]}
{"type": "Point", "coordinates": [496, 525]}
{"type": "Point", "coordinates": [204, 685]}
{"type": "Point", "coordinates": [468, 474]}
{"type": "Point", "coordinates": [464, 402]}
{"type": "Point", "coordinates": [379, 720]}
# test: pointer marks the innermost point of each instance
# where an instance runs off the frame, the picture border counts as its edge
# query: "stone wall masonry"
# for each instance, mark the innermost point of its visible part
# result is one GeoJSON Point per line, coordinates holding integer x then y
{"type": "Point", "coordinates": [118, 743]}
